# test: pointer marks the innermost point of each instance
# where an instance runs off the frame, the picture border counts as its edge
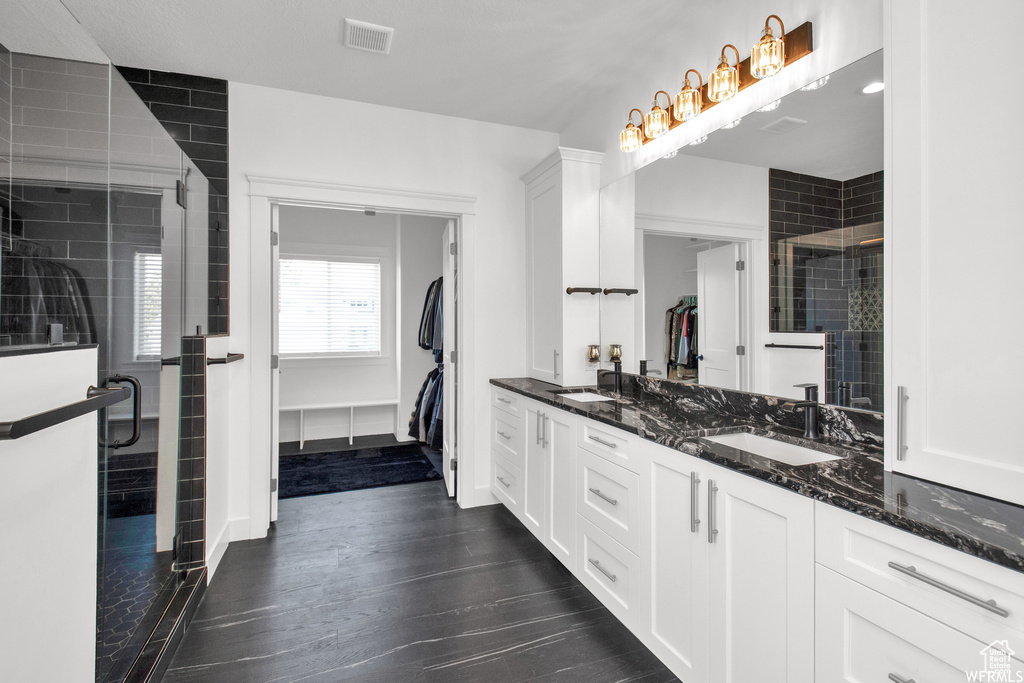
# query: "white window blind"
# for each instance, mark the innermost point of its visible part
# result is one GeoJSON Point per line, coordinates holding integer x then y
{"type": "Point", "coordinates": [148, 292]}
{"type": "Point", "coordinates": [329, 307]}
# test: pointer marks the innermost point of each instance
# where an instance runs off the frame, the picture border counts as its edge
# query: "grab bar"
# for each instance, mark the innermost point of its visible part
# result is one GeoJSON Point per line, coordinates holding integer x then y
{"type": "Point", "coordinates": [97, 399]}
{"type": "Point", "coordinates": [583, 290]}
{"type": "Point", "coordinates": [794, 346]}
{"type": "Point", "coordinates": [230, 358]}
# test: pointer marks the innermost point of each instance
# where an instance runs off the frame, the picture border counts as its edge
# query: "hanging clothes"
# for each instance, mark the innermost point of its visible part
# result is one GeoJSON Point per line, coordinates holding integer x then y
{"type": "Point", "coordinates": [681, 349]}
{"type": "Point", "coordinates": [427, 419]}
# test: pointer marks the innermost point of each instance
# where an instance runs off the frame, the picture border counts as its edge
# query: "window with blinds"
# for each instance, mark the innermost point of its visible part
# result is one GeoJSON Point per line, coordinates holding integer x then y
{"type": "Point", "coordinates": [148, 292]}
{"type": "Point", "coordinates": [329, 308]}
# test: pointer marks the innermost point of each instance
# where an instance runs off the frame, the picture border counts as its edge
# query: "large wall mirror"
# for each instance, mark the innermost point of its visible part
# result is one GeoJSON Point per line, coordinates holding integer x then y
{"type": "Point", "coordinates": [758, 251]}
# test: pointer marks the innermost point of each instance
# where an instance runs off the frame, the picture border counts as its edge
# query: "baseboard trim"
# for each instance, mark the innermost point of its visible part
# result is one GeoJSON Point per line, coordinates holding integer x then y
{"type": "Point", "coordinates": [156, 655]}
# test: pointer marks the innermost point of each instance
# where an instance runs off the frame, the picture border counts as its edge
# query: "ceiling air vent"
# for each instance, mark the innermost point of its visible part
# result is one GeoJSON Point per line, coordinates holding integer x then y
{"type": "Point", "coordinates": [370, 37]}
{"type": "Point", "coordinates": [783, 125]}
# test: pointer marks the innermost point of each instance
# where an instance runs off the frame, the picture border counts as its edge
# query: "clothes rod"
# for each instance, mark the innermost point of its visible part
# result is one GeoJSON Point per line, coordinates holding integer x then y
{"type": "Point", "coordinates": [794, 346]}
{"type": "Point", "coordinates": [627, 292]}
{"type": "Point", "coordinates": [582, 290]}
{"type": "Point", "coordinates": [97, 399]}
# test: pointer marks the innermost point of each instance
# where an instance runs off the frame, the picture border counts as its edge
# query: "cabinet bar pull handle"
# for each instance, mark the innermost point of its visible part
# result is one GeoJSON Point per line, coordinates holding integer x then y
{"type": "Point", "coordinates": [554, 366]}
{"type": "Point", "coordinates": [611, 577]}
{"type": "Point", "coordinates": [504, 400]}
{"type": "Point", "coordinates": [504, 435]}
{"type": "Point", "coordinates": [505, 483]}
{"type": "Point", "coordinates": [900, 679]}
{"type": "Point", "coordinates": [597, 492]}
{"type": "Point", "coordinates": [537, 439]}
{"type": "Point", "coordinates": [912, 572]}
{"type": "Point", "coordinates": [601, 441]}
{"type": "Point", "coordinates": [901, 398]}
{"type": "Point", "coordinates": [712, 521]}
{"type": "Point", "coordinates": [694, 494]}
{"type": "Point", "coordinates": [544, 431]}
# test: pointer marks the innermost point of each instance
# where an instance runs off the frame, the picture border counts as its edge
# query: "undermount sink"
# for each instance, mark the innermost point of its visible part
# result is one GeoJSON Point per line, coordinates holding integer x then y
{"type": "Point", "coordinates": [770, 448]}
{"type": "Point", "coordinates": [585, 397]}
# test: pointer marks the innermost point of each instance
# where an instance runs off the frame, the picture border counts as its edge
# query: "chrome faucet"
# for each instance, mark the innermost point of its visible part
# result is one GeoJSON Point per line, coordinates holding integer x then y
{"type": "Point", "coordinates": [810, 406]}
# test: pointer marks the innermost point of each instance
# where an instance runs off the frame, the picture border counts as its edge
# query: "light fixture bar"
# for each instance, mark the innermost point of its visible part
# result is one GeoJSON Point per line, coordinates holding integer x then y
{"type": "Point", "coordinates": [799, 44]}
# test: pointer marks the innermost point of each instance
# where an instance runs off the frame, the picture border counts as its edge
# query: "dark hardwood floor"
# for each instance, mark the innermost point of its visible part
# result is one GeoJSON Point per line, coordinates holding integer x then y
{"type": "Point", "coordinates": [399, 585]}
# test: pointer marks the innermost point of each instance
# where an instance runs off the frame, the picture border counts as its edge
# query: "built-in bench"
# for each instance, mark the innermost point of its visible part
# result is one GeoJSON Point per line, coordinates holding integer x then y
{"type": "Point", "coordinates": [351, 405]}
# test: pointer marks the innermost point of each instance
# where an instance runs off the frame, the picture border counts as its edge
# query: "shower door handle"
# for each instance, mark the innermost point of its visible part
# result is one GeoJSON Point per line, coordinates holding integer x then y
{"type": "Point", "coordinates": [136, 409]}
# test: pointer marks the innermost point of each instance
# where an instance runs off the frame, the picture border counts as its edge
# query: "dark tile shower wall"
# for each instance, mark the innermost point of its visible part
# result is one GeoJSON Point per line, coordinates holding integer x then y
{"type": "Point", "coordinates": [194, 111]}
{"type": "Point", "coordinates": [841, 294]}
{"type": "Point", "coordinates": [191, 523]}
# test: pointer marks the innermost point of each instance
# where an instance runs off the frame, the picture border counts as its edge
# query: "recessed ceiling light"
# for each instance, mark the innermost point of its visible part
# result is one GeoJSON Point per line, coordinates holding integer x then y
{"type": "Point", "coordinates": [814, 85]}
{"type": "Point", "coordinates": [771, 106]}
{"type": "Point", "coordinates": [700, 140]}
{"type": "Point", "coordinates": [872, 88]}
{"type": "Point", "coordinates": [732, 124]}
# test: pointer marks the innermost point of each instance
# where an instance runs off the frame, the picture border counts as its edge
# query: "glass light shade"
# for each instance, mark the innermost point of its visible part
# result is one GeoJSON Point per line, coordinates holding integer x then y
{"type": "Point", "coordinates": [688, 103]}
{"type": "Point", "coordinates": [723, 83]}
{"type": "Point", "coordinates": [768, 55]}
{"type": "Point", "coordinates": [593, 353]}
{"type": "Point", "coordinates": [614, 352]}
{"type": "Point", "coordinates": [629, 139]}
{"type": "Point", "coordinates": [656, 122]}
{"type": "Point", "coordinates": [814, 85]}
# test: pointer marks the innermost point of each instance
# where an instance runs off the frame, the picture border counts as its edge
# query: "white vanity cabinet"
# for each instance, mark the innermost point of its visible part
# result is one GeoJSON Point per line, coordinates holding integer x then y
{"type": "Point", "coordinates": [562, 245]}
{"type": "Point", "coordinates": [952, 245]}
{"type": "Point", "coordinates": [728, 578]}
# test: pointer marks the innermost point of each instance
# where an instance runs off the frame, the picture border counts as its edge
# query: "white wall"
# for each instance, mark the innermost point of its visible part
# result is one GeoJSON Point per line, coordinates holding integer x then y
{"type": "Point", "coordinates": [312, 231]}
{"type": "Point", "coordinates": [48, 506]}
{"type": "Point", "coordinates": [421, 263]}
{"type": "Point", "coordinates": [844, 31]}
{"type": "Point", "coordinates": [281, 134]}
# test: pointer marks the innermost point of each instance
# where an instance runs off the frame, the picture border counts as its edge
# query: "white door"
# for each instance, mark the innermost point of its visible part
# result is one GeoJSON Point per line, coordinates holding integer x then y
{"type": "Point", "coordinates": [449, 440]}
{"type": "Point", "coordinates": [761, 581]}
{"type": "Point", "coordinates": [275, 371]}
{"type": "Point", "coordinates": [674, 549]}
{"type": "Point", "coordinates": [718, 317]}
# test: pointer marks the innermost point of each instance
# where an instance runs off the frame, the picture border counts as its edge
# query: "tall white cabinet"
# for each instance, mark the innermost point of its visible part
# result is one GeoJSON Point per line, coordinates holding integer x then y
{"type": "Point", "coordinates": [953, 246]}
{"type": "Point", "coordinates": [562, 250]}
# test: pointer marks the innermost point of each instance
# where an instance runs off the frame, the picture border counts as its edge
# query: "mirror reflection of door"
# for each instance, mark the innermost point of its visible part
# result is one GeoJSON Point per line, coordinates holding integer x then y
{"type": "Point", "coordinates": [718, 294]}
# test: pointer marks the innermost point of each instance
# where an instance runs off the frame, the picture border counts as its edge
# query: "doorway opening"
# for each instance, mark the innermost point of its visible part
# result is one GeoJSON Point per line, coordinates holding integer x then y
{"type": "Point", "coordinates": [364, 324]}
{"type": "Point", "coordinates": [692, 318]}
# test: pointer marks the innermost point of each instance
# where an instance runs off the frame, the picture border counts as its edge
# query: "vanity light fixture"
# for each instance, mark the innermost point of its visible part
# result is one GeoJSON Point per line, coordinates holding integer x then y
{"type": "Point", "coordinates": [872, 88]}
{"type": "Point", "coordinates": [631, 138]}
{"type": "Point", "coordinates": [771, 106]}
{"type": "Point", "coordinates": [724, 81]}
{"type": "Point", "coordinates": [733, 124]}
{"type": "Point", "coordinates": [769, 54]}
{"type": "Point", "coordinates": [689, 101]}
{"type": "Point", "coordinates": [656, 120]}
{"type": "Point", "coordinates": [701, 140]}
{"type": "Point", "coordinates": [814, 85]}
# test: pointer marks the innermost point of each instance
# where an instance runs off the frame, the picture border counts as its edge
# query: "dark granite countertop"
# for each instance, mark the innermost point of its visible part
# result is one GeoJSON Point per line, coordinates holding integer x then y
{"type": "Point", "coordinates": [676, 416]}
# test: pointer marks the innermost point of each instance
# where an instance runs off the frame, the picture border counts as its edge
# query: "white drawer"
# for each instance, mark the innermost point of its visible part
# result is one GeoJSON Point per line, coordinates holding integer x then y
{"type": "Point", "coordinates": [862, 635]}
{"type": "Point", "coordinates": [614, 444]}
{"type": "Point", "coordinates": [508, 401]}
{"type": "Point", "coordinates": [923, 574]}
{"type": "Point", "coordinates": [507, 436]}
{"type": "Point", "coordinates": [609, 496]}
{"type": "Point", "coordinates": [507, 483]}
{"type": "Point", "coordinates": [609, 571]}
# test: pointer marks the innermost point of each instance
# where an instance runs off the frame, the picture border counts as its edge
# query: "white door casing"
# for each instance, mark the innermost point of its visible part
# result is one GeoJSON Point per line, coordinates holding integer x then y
{"type": "Point", "coordinates": [449, 246]}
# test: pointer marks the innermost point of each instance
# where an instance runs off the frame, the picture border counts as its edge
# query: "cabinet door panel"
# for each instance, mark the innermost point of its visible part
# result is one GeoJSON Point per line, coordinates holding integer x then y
{"type": "Point", "coordinates": [761, 581]}
{"type": "Point", "coordinates": [675, 556]}
{"type": "Point", "coordinates": [544, 277]}
{"type": "Point", "coordinates": [534, 470]}
{"type": "Point", "coordinates": [560, 536]}
{"type": "Point", "coordinates": [864, 636]}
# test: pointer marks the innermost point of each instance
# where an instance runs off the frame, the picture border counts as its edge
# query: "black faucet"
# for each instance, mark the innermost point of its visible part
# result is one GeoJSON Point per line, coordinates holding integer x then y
{"type": "Point", "coordinates": [810, 406]}
{"type": "Point", "coordinates": [644, 371]}
{"type": "Point", "coordinates": [617, 372]}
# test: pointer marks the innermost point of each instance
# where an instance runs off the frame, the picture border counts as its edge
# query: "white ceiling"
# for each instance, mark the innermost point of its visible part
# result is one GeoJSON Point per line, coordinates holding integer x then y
{"type": "Point", "coordinates": [842, 138]}
{"type": "Point", "coordinates": [528, 63]}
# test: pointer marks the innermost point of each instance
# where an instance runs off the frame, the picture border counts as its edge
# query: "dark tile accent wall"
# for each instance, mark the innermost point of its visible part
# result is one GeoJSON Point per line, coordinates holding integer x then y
{"type": "Point", "coordinates": [131, 483]}
{"type": "Point", "coordinates": [194, 111]}
{"type": "Point", "coordinates": [191, 545]}
{"type": "Point", "coordinates": [837, 288]}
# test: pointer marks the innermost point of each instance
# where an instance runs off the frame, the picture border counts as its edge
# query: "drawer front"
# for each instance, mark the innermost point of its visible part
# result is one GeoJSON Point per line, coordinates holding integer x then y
{"type": "Point", "coordinates": [609, 571]}
{"type": "Point", "coordinates": [510, 402]}
{"type": "Point", "coordinates": [507, 483]}
{"type": "Point", "coordinates": [610, 443]}
{"type": "Point", "coordinates": [862, 635]}
{"type": "Point", "coordinates": [507, 436]}
{"type": "Point", "coordinates": [941, 582]}
{"type": "Point", "coordinates": [608, 496]}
